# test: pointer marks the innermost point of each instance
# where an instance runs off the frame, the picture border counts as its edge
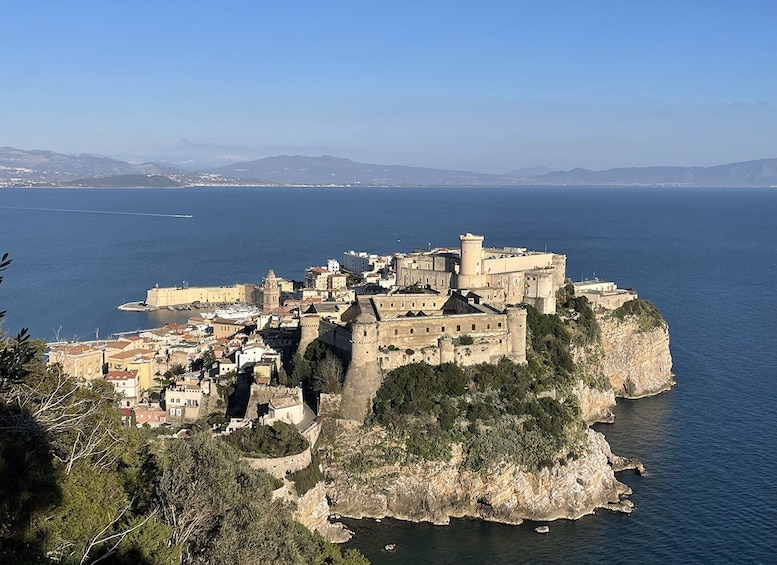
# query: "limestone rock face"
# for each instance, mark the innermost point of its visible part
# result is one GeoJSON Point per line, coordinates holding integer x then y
{"type": "Point", "coordinates": [637, 363]}
{"type": "Point", "coordinates": [312, 512]}
{"type": "Point", "coordinates": [436, 491]}
{"type": "Point", "coordinates": [595, 405]}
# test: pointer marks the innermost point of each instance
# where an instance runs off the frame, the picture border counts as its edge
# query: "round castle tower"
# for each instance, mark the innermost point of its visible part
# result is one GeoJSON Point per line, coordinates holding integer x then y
{"type": "Point", "coordinates": [470, 275]}
{"type": "Point", "coordinates": [447, 350]}
{"type": "Point", "coordinates": [516, 325]}
{"type": "Point", "coordinates": [362, 379]}
{"type": "Point", "coordinates": [308, 326]}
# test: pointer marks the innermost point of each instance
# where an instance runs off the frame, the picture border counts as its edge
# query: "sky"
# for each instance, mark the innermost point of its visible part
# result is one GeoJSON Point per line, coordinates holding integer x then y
{"type": "Point", "coordinates": [487, 86]}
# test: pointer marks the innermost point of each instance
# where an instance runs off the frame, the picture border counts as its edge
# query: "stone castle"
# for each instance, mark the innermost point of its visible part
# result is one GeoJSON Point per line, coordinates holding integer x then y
{"type": "Point", "coordinates": [461, 306]}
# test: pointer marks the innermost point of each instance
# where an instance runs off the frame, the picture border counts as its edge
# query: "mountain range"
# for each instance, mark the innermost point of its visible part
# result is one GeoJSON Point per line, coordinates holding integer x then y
{"type": "Point", "coordinates": [20, 167]}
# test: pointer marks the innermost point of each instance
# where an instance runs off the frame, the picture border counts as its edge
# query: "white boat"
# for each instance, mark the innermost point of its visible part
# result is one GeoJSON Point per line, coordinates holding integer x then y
{"type": "Point", "coordinates": [542, 529]}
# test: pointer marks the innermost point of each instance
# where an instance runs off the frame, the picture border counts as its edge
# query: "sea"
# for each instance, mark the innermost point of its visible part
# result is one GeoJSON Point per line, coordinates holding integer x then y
{"type": "Point", "coordinates": [706, 257]}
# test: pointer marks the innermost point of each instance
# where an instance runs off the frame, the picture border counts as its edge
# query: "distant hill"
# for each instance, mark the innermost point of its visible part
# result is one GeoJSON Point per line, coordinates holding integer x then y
{"type": "Point", "coordinates": [19, 167]}
{"type": "Point", "coordinates": [327, 170]}
{"type": "Point", "coordinates": [58, 166]}
{"type": "Point", "coordinates": [125, 181]}
{"type": "Point", "coordinates": [529, 172]}
{"type": "Point", "coordinates": [762, 172]}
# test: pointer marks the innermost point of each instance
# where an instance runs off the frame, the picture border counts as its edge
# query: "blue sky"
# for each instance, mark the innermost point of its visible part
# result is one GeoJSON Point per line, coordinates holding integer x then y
{"type": "Point", "coordinates": [484, 86]}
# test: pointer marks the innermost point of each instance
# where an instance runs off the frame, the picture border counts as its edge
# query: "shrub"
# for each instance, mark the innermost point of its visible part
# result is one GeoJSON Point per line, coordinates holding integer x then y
{"type": "Point", "coordinates": [305, 479]}
{"type": "Point", "coordinates": [646, 313]}
{"type": "Point", "coordinates": [278, 440]}
{"type": "Point", "coordinates": [464, 340]}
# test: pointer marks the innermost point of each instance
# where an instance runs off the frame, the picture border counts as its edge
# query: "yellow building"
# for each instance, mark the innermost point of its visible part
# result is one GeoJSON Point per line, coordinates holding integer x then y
{"type": "Point", "coordinates": [78, 360]}
{"type": "Point", "coordinates": [140, 360]}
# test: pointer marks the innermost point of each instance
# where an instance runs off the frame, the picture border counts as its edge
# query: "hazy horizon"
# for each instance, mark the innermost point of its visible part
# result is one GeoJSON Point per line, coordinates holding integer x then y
{"type": "Point", "coordinates": [483, 88]}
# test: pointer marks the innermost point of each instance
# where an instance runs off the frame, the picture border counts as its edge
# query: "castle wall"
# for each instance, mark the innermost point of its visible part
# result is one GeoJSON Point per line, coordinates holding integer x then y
{"type": "Point", "coordinates": [508, 263]}
{"type": "Point", "coordinates": [279, 467]}
{"type": "Point", "coordinates": [174, 296]}
{"type": "Point", "coordinates": [540, 290]}
{"type": "Point", "coordinates": [335, 335]}
{"type": "Point", "coordinates": [415, 333]}
{"type": "Point", "coordinates": [438, 280]}
{"type": "Point", "coordinates": [485, 350]}
{"type": "Point", "coordinates": [609, 300]}
{"type": "Point", "coordinates": [396, 305]}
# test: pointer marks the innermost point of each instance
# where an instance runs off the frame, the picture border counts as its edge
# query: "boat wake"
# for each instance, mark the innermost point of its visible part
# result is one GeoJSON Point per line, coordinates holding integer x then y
{"type": "Point", "coordinates": [98, 212]}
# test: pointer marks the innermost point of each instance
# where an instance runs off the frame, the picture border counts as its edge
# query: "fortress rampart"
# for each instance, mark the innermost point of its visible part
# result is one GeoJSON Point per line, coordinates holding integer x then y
{"type": "Point", "coordinates": [162, 297]}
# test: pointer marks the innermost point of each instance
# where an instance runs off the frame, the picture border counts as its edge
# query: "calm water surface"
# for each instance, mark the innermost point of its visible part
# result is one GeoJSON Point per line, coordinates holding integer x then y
{"type": "Point", "coordinates": [707, 258]}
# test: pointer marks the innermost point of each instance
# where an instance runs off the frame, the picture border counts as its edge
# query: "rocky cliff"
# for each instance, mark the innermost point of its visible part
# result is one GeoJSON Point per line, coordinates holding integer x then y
{"type": "Point", "coordinates": [596, 405]}
{"type": "Point", "coordinates": [635, 359]}
{"type": "Point", "coordinates": [312, 511]}
{"type": "Point", "coordinates": [436, 491]}
{"type": "Point", "coordinates": [371, 475]}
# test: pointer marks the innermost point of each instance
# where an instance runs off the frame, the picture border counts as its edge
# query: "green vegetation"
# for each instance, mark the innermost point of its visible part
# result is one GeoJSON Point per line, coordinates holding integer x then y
{"type": "Point", "coordinates": [646, 313]}
{"type": "Point", "coordinates": [305, 479]}
{"type": "Point", "coordinates": [123, 181]}
{"type": "Point", "coordinates": [497, 412]}
{"type": "Point", "coordinates": [320, 369]}
{"type": "Point", "coordinates": [279, 440]}
{"type": "Point", "coordinates": [78, 488]}
{"type": "Point", "coordinates": [578, 310]}
{"type": "Point", "coordinates": [464, 340]}
{"type": "Point", "coordinates": [527, 414]}
{"type": "Point", "coordinates": [352, 279]}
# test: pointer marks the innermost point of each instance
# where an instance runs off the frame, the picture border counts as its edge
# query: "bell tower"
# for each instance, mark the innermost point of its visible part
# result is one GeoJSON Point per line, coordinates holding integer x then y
{"type": "Point", "coordinates": [271, 293]}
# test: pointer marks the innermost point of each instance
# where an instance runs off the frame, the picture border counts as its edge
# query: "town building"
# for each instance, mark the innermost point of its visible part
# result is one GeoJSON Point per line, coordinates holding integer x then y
{"type": "Point", "coordinates": [603, 294]}
{"type": "Point", "coordinates": [79, 360]}
{"type": "Point", "coordinates": [126, 384]}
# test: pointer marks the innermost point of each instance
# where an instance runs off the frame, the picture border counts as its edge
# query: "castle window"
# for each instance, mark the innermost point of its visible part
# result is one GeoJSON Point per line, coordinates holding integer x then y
{"type": "Point", "coordinates": [411, 330]}
{"type": "Point", "coordinates": [488, 326]}
{"type": "Point", "coordinates": [499, 324]}
{"type": "Point", "coordinates": [458, 328]}
{"type": "Point", "coordinates": [442, 329]}
{"type": "Point", "coordinates": [412, 304]}
{"type": "Point", "coordinates": [365, 333]}
{"type": "Point", "coordinates": [396, 332]}
{"type": "Point", "coordinates": [427, 330]}
{"type": "Point", "coordinates": [473, 327]}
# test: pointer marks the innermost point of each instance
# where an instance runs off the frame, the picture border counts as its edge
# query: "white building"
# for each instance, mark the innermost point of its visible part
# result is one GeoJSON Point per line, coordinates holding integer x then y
{"type": "Point", "coordinates": [289, 409]}
{"type": "Point", "coordinates": [126, 384]}
{"type": "Point", "coordinates": [333, 265]}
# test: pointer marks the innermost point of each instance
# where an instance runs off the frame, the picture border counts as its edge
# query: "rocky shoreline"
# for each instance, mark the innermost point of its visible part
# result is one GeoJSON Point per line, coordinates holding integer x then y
{"type": "Point", "coordinates": [632, 361]}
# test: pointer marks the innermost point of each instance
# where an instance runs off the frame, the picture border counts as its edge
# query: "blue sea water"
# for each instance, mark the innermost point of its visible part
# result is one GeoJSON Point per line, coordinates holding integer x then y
{"type": "Point", "coordinates": [706, 257]}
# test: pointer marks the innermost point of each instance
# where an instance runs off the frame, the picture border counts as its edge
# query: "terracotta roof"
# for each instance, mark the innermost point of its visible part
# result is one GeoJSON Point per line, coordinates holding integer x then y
{"type": "Point", "coordinates": [284, 402]}
{"type": "Point", "coordinates": [120, 375]}
{"type": "Point", "coordinates": [129, 354]}
{"type": "Point", "coordinates": [74, 349]}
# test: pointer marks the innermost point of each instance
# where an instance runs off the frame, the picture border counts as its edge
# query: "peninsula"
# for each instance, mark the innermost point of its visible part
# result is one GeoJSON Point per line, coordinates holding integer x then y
{"type": "Point", "coordinates": [438, 383]}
